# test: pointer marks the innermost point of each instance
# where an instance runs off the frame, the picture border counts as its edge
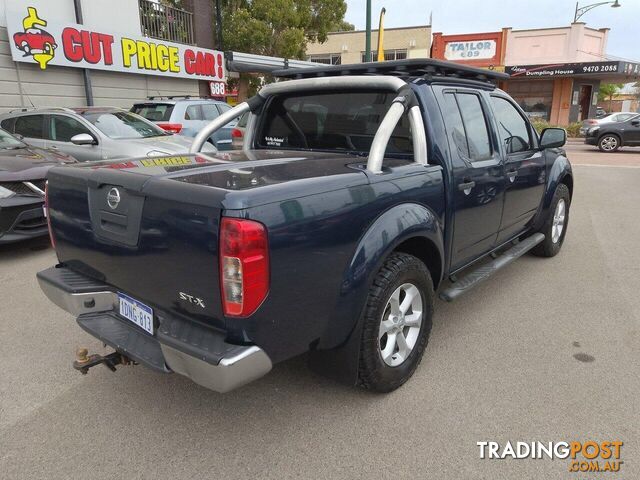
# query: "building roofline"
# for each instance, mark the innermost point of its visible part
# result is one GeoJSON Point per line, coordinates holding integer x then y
{"type": "Point", "coordinates": [414, 27]}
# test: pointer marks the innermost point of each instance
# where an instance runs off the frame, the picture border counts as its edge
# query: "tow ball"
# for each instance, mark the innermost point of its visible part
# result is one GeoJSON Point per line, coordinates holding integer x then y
{"type": "Point", "coordinates": [84, 361]}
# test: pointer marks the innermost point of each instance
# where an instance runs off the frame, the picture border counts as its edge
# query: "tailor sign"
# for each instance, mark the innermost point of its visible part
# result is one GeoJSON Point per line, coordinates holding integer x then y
{"type": "Point", "coordinates": [471, 50]}
{"type": "Point", "coordinates": [34, 39]}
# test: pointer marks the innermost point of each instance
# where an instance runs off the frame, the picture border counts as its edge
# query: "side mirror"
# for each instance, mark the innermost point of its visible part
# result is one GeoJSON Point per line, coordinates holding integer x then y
{"type": "Point", "coordinates": [83, 139]}
{"type": "Point", "coordinates": [553, 138]}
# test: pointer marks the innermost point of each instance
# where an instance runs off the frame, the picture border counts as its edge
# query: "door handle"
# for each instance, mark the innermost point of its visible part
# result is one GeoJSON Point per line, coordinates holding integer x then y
{"type": "Point", "coordinates": [466, 186]}
{"type": "Point", "coordinates": [53, 147]}
{"type": "Point", "coordinates": [511, 175]}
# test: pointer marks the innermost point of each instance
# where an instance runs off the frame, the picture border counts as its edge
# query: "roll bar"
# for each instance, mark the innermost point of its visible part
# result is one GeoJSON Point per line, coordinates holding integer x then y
{"type": "Point", "coordinates": [405, 102]}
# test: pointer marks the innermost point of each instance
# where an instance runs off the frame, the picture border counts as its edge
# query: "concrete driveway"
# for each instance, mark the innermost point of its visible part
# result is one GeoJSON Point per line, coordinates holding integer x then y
{"type": "Point", "coordinates": [548, 350]}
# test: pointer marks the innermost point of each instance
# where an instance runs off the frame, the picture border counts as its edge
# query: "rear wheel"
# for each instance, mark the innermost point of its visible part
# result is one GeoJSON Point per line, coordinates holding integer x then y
{"type": "Point", "coordinates": [555, 227]}
{"type": "Point", "coordinates": [609, 143]}
{"type": "Point", "coordinates": [397, 323]}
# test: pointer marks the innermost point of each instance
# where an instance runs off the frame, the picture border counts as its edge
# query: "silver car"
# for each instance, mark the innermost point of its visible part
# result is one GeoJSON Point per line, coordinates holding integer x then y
{"type": "Point", "coordinates": [187, 116]}
{"type": "Point", "coordinates": [94, 133]}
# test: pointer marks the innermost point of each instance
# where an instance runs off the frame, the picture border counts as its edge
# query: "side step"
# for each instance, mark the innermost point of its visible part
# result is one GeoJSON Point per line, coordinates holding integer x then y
{"type": "Point", "coordinates": [482, 273]}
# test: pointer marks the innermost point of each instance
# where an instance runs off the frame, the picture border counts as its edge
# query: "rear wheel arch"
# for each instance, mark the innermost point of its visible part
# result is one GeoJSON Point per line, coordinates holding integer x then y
{"type": "Point", "coordinates": [426, 251]}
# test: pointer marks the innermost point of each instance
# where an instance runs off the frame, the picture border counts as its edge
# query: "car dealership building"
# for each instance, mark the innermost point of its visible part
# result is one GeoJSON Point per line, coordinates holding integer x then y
{"type": "Point", "coordinates": [68, 53]}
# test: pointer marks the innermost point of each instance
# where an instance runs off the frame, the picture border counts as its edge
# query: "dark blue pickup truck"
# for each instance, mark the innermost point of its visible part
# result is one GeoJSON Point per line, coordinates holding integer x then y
{"type": "Point", "coordinates": [360, 192]}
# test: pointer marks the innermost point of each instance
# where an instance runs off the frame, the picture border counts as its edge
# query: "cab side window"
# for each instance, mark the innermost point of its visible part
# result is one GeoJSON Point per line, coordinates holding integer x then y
{"type": "Point", "coordinates": [62, 128]}
{"type": "Point", "coordinates": [30, 126]}
{"type": "Point", "coordinates": [467, 126]}
{"type": "Point", "coordinates": [512, 127]}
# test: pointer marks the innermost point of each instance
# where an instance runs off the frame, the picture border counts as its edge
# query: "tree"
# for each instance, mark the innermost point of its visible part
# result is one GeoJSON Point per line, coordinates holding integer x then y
{"type": "Point", "coordinates": [278, 28]}
{"type": "Point", "coordinates": [608, 91]}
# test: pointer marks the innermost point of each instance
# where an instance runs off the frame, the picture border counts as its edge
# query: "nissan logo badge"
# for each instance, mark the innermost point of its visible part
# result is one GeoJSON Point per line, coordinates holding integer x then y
{"type": "Point", "coordinates": [113, 198]}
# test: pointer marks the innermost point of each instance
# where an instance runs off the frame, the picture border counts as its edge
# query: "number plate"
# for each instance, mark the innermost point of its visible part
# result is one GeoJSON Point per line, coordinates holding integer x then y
{"type": "Point", "coordinates": [136, 312]}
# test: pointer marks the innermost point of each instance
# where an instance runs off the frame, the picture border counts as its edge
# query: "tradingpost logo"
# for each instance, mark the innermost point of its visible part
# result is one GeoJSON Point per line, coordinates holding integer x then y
{"type": "Point", "coordinates": [588, 456]}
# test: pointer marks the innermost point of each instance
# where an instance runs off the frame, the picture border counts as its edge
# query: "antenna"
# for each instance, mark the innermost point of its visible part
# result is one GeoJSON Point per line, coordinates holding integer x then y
{"type": "Point", "coordinates": [431, 18]}
{"type": "Point", "coordinates": [32, 105]}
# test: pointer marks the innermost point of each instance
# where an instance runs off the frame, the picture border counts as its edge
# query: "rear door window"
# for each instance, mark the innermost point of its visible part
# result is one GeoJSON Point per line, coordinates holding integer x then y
{"type": "Point", "coordinates": [156, 112]}
{"type": "Point", "coordinates": [331, 121]}
{"type": "Point", "coordinates": [62, 128]}
{"type": "Point", "coordinates": [193, 112]}
{"type": "Point", "coordinates": [30, 126]}
{"type": "Point", "coordinates": [209, 111]}
{"type": "Point", "coordinates": [467, 126]}
{"type": "Point", "coordinates": [8, 124]}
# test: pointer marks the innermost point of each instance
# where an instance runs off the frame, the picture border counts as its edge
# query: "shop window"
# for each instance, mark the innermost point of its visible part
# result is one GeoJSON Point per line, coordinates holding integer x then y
{"type": "Point", "coordinates": [327, 59]}
{"type": "Point", "coordinates": [397, 54]}
{"type": "Point", "coordinates": [533, 96]}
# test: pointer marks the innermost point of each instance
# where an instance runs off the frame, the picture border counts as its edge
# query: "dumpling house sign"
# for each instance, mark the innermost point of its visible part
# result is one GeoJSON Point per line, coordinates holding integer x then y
{"type": "Point", "coordinates": [35, 39]}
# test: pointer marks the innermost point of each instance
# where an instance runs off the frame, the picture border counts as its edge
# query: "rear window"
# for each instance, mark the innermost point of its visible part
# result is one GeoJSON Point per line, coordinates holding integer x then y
{"type": "Point", "coordinates": [331, 121]}
{"type": "Point", "coordinates": [156, 112]}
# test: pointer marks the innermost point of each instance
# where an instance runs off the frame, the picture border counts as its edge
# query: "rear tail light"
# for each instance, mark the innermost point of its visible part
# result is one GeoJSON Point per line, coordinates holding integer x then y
{"type": "Point", "coordinates": [48, 215]}
{"type": "Point", "coordinates": [244, 266]}
{"type": "Point", "coordinates": [171, 127]}
{"type": "Point", "coordinates": [236, 133]}
{"type": "Point", "coordinates": [592, 122]}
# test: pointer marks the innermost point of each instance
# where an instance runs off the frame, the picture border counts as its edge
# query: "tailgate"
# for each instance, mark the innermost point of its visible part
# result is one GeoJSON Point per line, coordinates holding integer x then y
{"type": "Point", "coordinates": [151, 238]}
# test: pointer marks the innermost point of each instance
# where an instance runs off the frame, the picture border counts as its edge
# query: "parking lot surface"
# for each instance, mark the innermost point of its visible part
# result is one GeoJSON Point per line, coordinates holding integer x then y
{"type": "Point", "coordinates": [547, 350]}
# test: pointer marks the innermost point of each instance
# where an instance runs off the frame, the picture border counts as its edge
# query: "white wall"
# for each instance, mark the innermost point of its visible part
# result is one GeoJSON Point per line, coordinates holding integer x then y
{"type": "Point", "coordinates": [112, 15]}
{"type": "Point", "coordinates": [576, 43]}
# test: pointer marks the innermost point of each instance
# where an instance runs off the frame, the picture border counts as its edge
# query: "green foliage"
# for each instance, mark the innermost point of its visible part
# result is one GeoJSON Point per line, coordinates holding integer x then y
{"type": "Point", "coordinates": [608, 90]}
{"type": "Point", "coordinates": [573, 130]}
{"type": "Point", "coordinates": [280, 28]}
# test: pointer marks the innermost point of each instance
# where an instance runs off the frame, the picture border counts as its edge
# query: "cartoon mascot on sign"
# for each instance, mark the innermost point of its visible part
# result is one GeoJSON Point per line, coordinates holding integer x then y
{"type": "Point", "coordinates": [35, 41]}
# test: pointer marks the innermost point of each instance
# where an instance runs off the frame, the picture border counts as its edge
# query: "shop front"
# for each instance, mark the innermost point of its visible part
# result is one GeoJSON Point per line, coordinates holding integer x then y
{"type": "Point", "coordinates": [564, 93]}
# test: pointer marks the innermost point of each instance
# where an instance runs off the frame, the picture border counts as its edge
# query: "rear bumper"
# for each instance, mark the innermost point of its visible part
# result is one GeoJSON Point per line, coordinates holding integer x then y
{"type": "Point", "coordinates": [591, 140]}
{"type": "Point", "coordinates": [180, 346]}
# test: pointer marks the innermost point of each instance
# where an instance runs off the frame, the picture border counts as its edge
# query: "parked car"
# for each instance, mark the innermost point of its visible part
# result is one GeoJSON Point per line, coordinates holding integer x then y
{"type": "Point", "coordinates": [237, 133]}
{"type": "Point", "coordinates": [610, 136]}
{"type": "Point", "coordinates": [187, 116]}
{"type": "Point", "coordinates": [22, 184]}
{"type": "Point", "coordinates": [93, 133]}
{"type": "Point", "coordinates": [360, 195]}
{"type": "Point", "coordinates": [614, 117]}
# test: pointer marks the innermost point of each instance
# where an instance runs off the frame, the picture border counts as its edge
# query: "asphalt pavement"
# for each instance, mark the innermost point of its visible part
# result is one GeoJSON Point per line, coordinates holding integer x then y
{"type": "Point", "coordinates": [548, 350]}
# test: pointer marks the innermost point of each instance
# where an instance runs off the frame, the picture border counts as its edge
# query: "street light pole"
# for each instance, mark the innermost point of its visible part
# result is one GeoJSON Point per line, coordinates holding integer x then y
{"type": "Point", "coordinates": [367, 41]}
{"type": "Point", "coordinates": [580, 11]}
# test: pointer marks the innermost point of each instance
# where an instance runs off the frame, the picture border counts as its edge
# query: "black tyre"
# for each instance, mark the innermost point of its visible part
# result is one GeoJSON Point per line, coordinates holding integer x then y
{"type": "Point", "coordinates": [609, 142]}
{"type": "Point", "coordinates": [397, 323]}
{"type": "Point", "coordinates": [555, 226]}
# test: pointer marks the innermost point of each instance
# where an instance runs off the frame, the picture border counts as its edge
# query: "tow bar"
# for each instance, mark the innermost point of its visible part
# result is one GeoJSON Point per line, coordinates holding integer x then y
{"type": "Point", "coordinates": [84, 361]}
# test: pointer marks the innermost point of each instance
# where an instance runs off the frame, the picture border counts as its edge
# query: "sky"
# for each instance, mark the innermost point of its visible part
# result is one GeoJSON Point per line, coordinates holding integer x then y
{"type": "Point", "coordinates": [475, 16]}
